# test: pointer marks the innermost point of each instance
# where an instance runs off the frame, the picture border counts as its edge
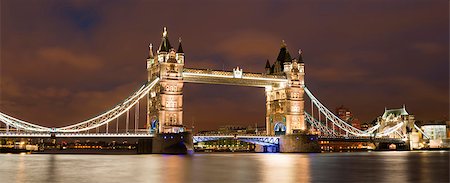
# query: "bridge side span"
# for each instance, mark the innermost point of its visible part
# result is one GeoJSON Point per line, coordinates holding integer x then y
{"type": "Point", "coordinates": [333, 118]}
{"type": "Point", "coordinates": [20, 124]}
{"type": "Point", "coordinates": [112, 114]}
{"type": "Point", "coordinates": [89, 124]}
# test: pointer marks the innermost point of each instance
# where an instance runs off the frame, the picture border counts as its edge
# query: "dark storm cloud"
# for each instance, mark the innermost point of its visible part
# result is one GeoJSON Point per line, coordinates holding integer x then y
{"type": "Point", "coordinates": [65, 61]}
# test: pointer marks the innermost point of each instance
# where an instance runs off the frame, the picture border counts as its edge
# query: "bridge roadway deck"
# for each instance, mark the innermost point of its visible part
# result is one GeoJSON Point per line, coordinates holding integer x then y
{"type": "Point", "coordinates": [75, 135]}
{"type": "Point", "coordinates": [261, 139]}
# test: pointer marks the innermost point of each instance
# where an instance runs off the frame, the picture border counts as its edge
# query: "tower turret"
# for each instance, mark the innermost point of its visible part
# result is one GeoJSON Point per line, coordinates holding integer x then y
{"type": "Point", "coordinates": [301, 67]}
{"type": "Point", "coordinates": [150, 60]}
{"type": "Point", "coordinates": [268, 68]}
{"type": "Point", "coordinates": [300, 56]}
{"type": "Point", "coordinates": [180, 52]}
{"type": "Point", "coordinates": [150, 51]}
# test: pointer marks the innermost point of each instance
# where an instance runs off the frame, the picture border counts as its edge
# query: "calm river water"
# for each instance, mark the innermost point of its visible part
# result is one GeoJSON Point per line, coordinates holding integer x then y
{"type": "Point", "coordinates": [229, 167]}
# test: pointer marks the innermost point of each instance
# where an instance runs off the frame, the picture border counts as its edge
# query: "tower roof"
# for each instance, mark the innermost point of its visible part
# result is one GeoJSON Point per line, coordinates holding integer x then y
{"type": "Point", "coordinates": [267, 64]}
{"type": "Point", "coordinates": [283, 55]}
{"type": "Point", "coordinates": [165, 43]}
{"type": "Point", "coordinates": [180, 47]}
{"type": "Point", "coordinates": [395, 112]}
{"type": "Point", "coordinates": [287, 57]}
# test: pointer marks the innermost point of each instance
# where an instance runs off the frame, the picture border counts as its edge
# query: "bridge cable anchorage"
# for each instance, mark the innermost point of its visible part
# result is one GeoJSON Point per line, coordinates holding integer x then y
{"type": "Point", "coordinates": [86, 125]}
{"type": "Point", "coordinates": [341, 124]}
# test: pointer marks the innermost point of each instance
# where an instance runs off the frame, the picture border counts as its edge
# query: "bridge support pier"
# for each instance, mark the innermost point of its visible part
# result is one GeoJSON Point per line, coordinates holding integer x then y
{"type": "Point", "coordinates": [390, 146]}
{"type": "Point", "coordinates": [167, 143]}
{"type": "Point", "coordinates": [299, 143]}
{"type": "Point", "coordinates": [267, 149]}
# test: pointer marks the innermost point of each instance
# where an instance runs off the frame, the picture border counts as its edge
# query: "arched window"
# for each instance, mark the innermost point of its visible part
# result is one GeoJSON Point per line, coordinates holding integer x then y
{"type": "Point", "coordinates": [279, 128]}
{"type": "Point", "coordinates": [172, 118]}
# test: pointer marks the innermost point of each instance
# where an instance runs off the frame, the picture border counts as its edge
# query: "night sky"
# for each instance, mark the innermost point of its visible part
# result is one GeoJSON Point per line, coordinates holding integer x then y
{"type": "Point", "coordinates": [66, 61]}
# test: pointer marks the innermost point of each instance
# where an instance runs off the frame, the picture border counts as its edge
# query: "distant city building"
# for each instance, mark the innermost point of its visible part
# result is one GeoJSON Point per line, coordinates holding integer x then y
{"type": "Point", "coordinates": [435, 132]}
{"type": "Point", "coordinates": [438, 131]}
{"type": "Point", "coordinates": [343, 113]}
{"type": "Point", "coordinates": [438, 135]}
{"type": "Point", "coordinates": [346, 115]}
{"type": "Point", "coordinates": [447, 123]}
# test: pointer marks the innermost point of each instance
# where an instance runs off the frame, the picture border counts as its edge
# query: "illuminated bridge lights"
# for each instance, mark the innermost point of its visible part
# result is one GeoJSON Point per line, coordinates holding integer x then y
{"type": "Point", "coordinates": [286, 84]}
{"type": "Point", "coordinates": [28, 129]}
{"type": "Point", "coordinates": [228, 77]}
{"type": "Point", "coordinates": [261, 140]}
{"type": "Point", "coordinates": [100, 120]}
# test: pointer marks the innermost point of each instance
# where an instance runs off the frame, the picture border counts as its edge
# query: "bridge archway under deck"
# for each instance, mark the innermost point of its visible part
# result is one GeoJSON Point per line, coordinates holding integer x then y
{"type": "Point", "coordinates": [235, 77]}
{"type": "Point", "coordinates": [284, 92]}
{"type": "Point", "coordinates": [280, 128]}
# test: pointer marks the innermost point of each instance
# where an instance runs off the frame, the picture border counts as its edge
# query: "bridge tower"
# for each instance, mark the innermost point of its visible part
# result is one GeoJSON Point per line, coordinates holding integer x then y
{"type": "Point", "coordinates": [406, 130]}
{"type": "Point", "coordinates": [394, 117]}
{"type": "Point", "coordinates": [284, 102]}
{"type": "Point", "coordinates": [165, 101]}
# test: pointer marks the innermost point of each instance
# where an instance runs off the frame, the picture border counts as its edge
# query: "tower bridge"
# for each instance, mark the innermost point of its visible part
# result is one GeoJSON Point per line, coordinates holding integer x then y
{"type": "Point", "coordinates": [285, 91]}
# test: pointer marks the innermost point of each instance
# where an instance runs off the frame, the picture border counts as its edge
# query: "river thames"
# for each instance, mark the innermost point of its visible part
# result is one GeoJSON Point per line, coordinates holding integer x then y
{"type": "Point", "coordinates": [424, 166]}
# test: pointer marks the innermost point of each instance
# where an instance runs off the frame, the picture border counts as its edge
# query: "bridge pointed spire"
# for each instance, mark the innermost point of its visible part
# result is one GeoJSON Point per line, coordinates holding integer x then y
{"type": "Point", "coordinates": [267, 64]}
{"type": "Point", "coordinates": [283, 44]}
{"type": "Point", "coordinates": [165, 43]}
{"type": "Point", "coordinates": [300, 56]}
{"type": "Point", "coordinates": [180, 47]}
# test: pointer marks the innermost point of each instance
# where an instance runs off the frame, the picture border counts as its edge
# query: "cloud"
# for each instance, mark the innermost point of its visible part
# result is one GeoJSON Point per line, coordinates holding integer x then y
{"type": "Point", "coordinates": [249, 44]}
{"type": "Point", "coordinates": [59, 106]}
{"type": "Point", "coordinates": [68, 58]}
{"type": "Point", "coordinates": [430, 48]}
{"type": "Point", "coordinates": [63, 62]}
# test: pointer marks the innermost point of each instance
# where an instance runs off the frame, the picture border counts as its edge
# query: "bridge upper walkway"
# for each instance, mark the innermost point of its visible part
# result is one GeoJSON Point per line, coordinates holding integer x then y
{"type": "Point", "coordinates": [240, 78]}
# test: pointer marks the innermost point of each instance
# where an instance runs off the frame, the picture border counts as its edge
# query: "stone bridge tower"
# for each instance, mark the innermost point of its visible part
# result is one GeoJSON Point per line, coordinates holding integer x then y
{"type": "Point", "coordinates": [165, 101]}
{"type": "Point", "coordinates": [393, 117]}
{"type": "Point", "coordinates": [284, 102]}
